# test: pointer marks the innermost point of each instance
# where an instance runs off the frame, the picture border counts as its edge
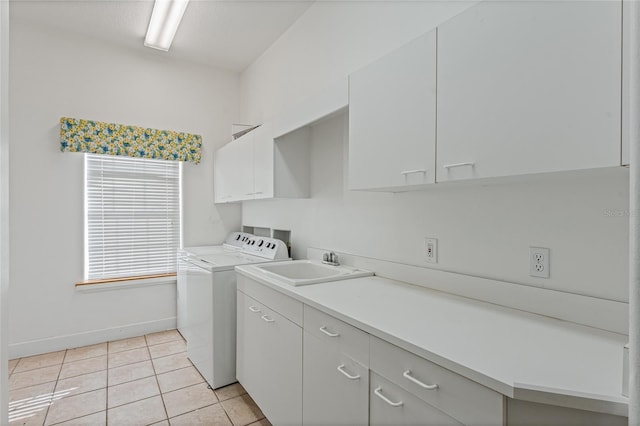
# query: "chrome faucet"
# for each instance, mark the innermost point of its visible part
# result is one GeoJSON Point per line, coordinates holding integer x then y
{"type": "Point", "coordinates": [330, 259]}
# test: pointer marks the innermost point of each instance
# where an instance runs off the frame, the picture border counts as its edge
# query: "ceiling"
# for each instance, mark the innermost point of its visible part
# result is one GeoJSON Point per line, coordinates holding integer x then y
{"type": "Point", "coordinates": [227, 34]}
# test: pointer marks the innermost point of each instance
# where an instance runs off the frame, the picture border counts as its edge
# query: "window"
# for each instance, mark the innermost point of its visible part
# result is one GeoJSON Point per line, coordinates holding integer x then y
{"type": "Point", "coordinates": [132, 216]}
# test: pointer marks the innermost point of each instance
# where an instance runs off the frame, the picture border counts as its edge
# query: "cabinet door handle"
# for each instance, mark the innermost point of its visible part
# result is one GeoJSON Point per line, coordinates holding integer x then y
{"type": "Point", "coordinates": [267, 319]}
{"type": "Point", "coordinates": [327, 332]}
{"type": "Point", "coordinates": [254, 309]}
{"type": "Point", "coordinates": [451, 166]}
{"type": "Point", "coordinates": [385, 399]}
{"type": "Point", "coordinates": [407, 375]}
{"type": "Point", "coordinates": [256, 193]}
{"type": "Point", "coordinates": [250, 193]}
{"type": "Point", "coordinates": [410, 172]}
{"type": "Point", "coordinates": [347, 375]}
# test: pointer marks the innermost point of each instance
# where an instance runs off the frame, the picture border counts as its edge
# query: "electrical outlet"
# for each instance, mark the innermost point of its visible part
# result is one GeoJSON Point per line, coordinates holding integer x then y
{"type": "Point", "coordinates": [539, 262]}
{"type": "Point", "coordinates": [431, 250]}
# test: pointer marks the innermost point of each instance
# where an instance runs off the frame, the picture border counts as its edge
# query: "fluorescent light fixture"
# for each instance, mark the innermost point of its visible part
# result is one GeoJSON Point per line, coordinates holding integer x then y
{"type": "Point", "coordinates": [165, 18]}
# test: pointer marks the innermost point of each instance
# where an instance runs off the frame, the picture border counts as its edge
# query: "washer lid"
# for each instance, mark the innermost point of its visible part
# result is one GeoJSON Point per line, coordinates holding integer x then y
{"type": "Point", "coordinates": [220, 262]}
{"type": "Point", "coordinates": [209, 250]}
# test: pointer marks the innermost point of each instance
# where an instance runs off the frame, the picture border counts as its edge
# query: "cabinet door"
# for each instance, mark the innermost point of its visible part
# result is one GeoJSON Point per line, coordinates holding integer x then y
{"type": "Point", "coordinates": [242, 169]}
{"type": "Point", "coordinates": [391, 405]}
{"type": "Point", "coordinates": [249, 362]}
{"type": "Point", "coordinates": [392, 117]}
{"type": "Point", "coordinates": [336, 388]}
{"type": "Point", "coordinates": [529, 87]}
{"type": "Point", "coordinates": [222, 175]}
{"type": "Point", "coordinates": [269, 361]}
{"type": "Point", "coordinates": [233, 170]}
{"type": "Point", "coordinates": [263, 161]}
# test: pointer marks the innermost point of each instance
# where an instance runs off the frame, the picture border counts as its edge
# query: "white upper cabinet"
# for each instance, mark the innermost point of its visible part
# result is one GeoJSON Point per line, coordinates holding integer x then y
{"type": "Point", "coordinates": [529, 87]}
{"type": "Point", "coordinates": [233, 170]}
{"type": "Point", "coordinates": [263, 162]}
{"type": "Point", "coordinates": [255, 166]}
{"type": "Point", "coordinates": [392, 119]}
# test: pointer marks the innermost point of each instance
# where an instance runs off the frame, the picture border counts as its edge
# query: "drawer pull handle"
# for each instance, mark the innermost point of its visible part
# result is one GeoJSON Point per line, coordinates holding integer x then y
{"type": "Point", "coordinates": [410, 172]}
{"type": "Point", "coordinates": [254, 309]}
{"type": "Point", "coordinates": [451, 166]}
{"type": "Point", "coordinates": [347, 375]}
{"type": "Point", "coordinates": [267, 319]}
{"type": "Point", "coordinates": [407, 375]}
{"type": "Point", "coordinates": [385, 399]}
{"type": "Point", "coordinates": [327, 332]}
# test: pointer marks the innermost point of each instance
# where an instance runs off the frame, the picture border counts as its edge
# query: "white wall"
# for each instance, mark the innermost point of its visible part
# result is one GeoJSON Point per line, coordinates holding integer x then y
{"type": "Point", "coordinates": [483, 229]}
{"type": "Point", "coordinates": [329, 41]}
{"type": "Point", "coordinates": [4, 206]}
{"type": "Point", "coordinates": [54, 75]}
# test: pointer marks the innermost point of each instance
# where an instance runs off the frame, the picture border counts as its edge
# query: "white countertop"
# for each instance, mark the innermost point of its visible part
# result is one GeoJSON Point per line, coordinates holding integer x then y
{"type": "Point", "coordinates": [520, 355]}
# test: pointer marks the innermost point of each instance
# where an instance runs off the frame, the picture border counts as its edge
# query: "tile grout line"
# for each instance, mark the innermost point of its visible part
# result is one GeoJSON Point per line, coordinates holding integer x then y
{"type": "Point", "coordinates": [35, 368]}
{"type": "Point", "coordinates": [107, 386]}
{"type": "Point", "coordinates": [75, 418]}
{"type": "Point", "coordinates": [14, 367]}
{"type": "Point", "coordinates": [201, 408]}
{"type": "Point", "coordinates": [65, 361]}
{"type": "Point", "coordinates": [81, 393]}
{"type": "Point", "coordinates": [226, 414]}
{"type": "Point", "coordinates": [218, 401]}
{"type": "Point", "coordinates": [155, 375]}
{"type": "Point", "coordinates": [55, 386]}
{"type": "Point", "coordinates": [83, 374]}
{"type": "Point", "coordinates": [150, 375]}
{"type": "Point", "coordinates": [106, 397]}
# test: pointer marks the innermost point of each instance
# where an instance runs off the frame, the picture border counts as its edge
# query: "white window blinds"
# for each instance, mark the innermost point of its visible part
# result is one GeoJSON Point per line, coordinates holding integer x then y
{"type": "Point", "coordinates": [132, 216]}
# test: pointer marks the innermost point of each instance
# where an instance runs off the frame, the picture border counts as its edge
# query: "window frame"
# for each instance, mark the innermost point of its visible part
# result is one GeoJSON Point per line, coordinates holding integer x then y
{"type": "Point", "coordinates": [125, 279]}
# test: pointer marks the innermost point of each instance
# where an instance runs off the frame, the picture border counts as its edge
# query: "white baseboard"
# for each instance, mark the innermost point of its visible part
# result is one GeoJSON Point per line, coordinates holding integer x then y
{"type": "Point", "coordinates": [58, 343]}
{"type": "Point", "coordinates": [594, 312]}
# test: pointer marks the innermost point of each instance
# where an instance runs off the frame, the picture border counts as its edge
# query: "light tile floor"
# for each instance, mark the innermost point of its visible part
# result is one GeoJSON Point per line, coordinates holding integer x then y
{"type": "Point", "coordinates": [139, 381]}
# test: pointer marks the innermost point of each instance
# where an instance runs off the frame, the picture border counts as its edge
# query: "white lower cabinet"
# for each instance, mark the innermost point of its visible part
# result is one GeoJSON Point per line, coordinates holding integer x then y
{"type": "Point", "coordinates": [442, 390]}
{"type": "Point", "coordinates": [305, 367]}
{"type": "Point", "coordinates": [336, 375]}
{"type": "Point", "coordinates": [269, 360]}
{"type": "Point", "coordinates": [335, 389]}
{"type": "Point", "coordinates": [391, 405]}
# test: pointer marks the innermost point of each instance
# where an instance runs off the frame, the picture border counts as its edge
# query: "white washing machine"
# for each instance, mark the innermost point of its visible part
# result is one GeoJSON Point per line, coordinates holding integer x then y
{"type": "Point", "coordinates": [232, 244]}
{"type": "Point", "coordinates": [210, 326]}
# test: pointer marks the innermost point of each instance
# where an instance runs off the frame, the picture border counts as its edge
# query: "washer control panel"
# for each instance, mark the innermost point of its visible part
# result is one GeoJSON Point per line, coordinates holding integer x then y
{"type": "Point", "coordinates": [268, 248]}
{"type": "Point", "coordinates": [237, 239]}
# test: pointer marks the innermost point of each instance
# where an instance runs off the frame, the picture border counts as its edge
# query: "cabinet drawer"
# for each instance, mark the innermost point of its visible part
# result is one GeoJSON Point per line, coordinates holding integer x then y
{"type": "Point", "coordinates": [461, 398]}
{"type": "Point", "coordinates": [392, 405]}
{"type": "Point", "coordinates": [346, 338]}
{"type": "Point", "coordinates": [286, 306]}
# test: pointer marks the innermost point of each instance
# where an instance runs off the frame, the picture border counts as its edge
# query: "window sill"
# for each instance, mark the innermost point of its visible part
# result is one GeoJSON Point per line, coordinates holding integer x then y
{"type": "Point", "coordinates": [126, 283]}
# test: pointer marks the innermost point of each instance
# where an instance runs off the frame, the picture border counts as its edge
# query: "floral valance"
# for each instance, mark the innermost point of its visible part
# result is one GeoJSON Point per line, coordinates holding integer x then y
{"type": "Point", "coordinates": [97, 137]}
